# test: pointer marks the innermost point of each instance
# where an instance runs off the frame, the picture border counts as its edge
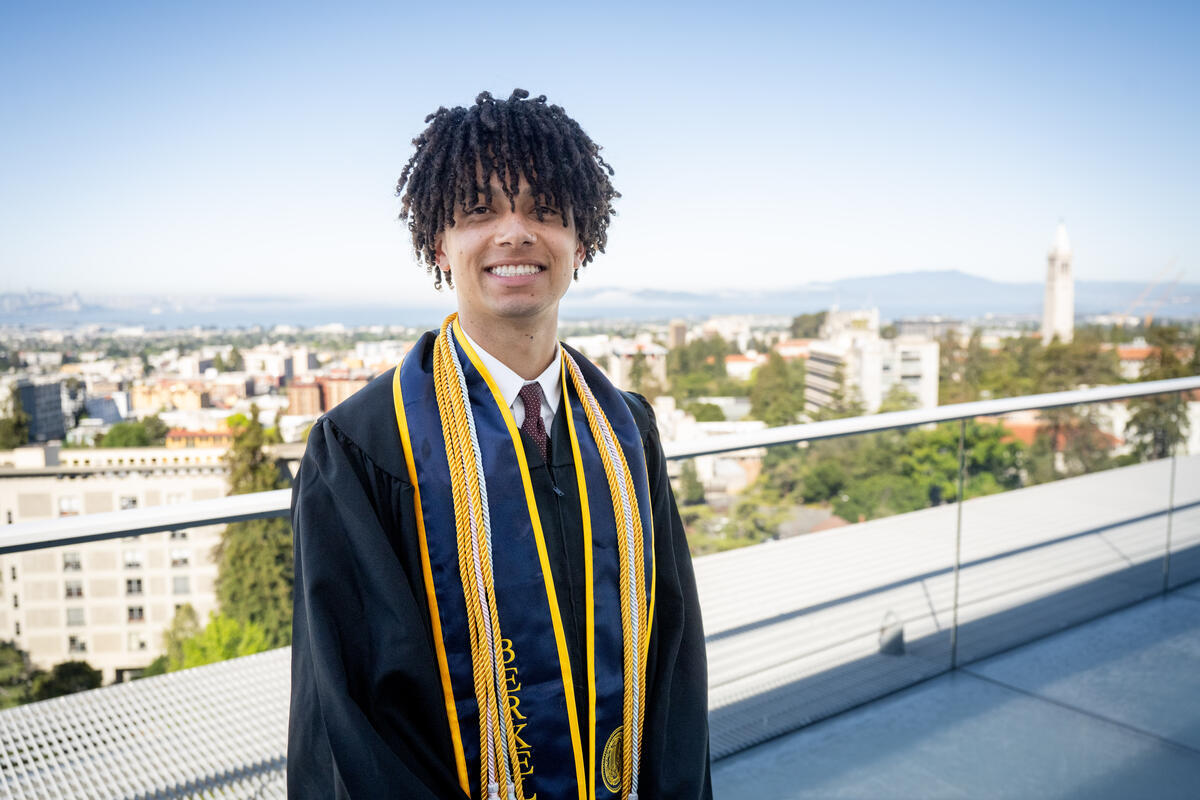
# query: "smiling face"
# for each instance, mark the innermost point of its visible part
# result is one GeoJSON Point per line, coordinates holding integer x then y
{"type": "Point", "coordinates": [507, 265]}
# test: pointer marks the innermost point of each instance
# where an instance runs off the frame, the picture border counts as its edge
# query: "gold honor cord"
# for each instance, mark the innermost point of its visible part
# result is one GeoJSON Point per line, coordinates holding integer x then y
{"type": "Point", "coordinates": [473, 525]}
{"type": "Point", "coordinates": [632, 576]}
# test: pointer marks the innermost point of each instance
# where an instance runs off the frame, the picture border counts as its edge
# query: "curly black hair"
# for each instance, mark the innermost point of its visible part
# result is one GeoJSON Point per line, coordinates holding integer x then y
{"type": "Point", "coordinates": [460, 151]}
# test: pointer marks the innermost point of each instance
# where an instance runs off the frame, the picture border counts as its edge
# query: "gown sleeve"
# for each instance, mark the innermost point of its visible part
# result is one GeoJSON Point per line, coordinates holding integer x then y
{"type": "Point", "coordinates": [367, 719]}
{"type": "Point", "coordinates": [675, 754]}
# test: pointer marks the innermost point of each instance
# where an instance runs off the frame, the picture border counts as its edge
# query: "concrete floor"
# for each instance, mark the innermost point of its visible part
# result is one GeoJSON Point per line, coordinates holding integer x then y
{"type": "Point", "coordinates": [1110, 709]}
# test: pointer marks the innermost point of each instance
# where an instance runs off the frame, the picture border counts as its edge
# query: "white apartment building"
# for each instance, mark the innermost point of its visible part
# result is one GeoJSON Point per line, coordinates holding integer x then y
{"type": "Point", "coordinates": [105, 602]}
{"type": "Point", "coordinates": [866, 368]}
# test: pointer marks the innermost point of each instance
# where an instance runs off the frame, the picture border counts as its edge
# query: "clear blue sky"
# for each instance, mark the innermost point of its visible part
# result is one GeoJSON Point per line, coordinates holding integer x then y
{"type": "Point", "coordinates": [250, 147]}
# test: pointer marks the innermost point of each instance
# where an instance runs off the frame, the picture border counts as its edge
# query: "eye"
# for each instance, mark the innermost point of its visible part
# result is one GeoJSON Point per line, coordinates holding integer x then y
{"type": "Point", "coordinates": [477, 210]}
{"type": "Point", "coordinates": [547, 210]}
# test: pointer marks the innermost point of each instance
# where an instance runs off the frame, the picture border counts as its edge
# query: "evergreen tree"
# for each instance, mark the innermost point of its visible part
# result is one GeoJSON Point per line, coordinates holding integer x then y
{"type": "Point", "coordinates": [1158, 423]}
{"type": "Point", "coordinates": [254, 558]}
{"type": "Point", "coordinates": [777, 391]}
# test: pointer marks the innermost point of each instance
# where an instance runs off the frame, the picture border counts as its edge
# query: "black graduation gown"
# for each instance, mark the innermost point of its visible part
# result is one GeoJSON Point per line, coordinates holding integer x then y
{"type": "Point", "coordinates": [367, 712]}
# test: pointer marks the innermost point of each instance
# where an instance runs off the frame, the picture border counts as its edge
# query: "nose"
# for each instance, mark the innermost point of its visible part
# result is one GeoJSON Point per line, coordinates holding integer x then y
{"type": "Point", "coordinates": [514, 230]}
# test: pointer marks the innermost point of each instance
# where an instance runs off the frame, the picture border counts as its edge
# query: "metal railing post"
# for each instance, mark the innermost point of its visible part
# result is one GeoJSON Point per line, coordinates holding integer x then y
{"type": "Point", "coordinates": [962, 469]}
{"type": "Point", "coordinates": [1166, 584]}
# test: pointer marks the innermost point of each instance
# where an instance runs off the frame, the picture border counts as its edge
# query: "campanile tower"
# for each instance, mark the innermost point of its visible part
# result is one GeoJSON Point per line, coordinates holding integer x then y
{"type": "Point", "coordinates": [1058, 312]}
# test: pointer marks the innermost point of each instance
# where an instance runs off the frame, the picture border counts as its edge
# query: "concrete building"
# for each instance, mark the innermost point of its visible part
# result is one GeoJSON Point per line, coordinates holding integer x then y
{"type": "Point", "coordinates": [106, 602]}
{"type": "Point", "coordinates": [304, 399]}
{"type": "Point", "coordinates": [626, 353]}
{"type": "Point", "coordinates": [677, 334]}
{"type": "Point", "coordinates": [1058, 310]}
{"type": "Point", "coordinates": [855, 323]}
{"type": "Point", "coordinates": [43, 403]}
{"type": "Point", "coordinates": [865, 369]}
{"type": "Point", "coordinates": [335, 390]}
{"type": "Point", "coordinates": [741, 366]}
{"type": "Point", "coordinates": [165, 395]}
{"type": "Point", "coordinates": [932, 327]}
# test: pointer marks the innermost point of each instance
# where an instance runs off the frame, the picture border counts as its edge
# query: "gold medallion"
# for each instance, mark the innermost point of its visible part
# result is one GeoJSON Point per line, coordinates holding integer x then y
{"type": "Point", "coordinates": [610, 764]}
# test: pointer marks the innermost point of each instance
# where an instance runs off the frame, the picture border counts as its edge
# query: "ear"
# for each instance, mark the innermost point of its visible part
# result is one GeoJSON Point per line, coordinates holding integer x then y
{"type": "Point", "coordinates": [580, 252]}
{"type": "Point", "coordinates": [439, 254]}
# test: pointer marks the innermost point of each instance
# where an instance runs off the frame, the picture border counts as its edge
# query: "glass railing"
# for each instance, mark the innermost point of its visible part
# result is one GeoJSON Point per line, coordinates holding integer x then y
{"type": "Point", "coordinates": [894, 546]}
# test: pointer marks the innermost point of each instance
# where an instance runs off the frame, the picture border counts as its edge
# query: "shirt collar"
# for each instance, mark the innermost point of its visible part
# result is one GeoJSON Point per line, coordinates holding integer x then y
{"type": "Point", "coordinates": [509, 383]}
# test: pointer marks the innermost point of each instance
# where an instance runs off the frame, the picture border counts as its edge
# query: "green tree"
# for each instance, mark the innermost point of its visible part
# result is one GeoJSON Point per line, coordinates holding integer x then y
{"type": "Point", "coordinates": [254, 558]}
{"type": "Point", "coordinates": [1158, 423]}
{"type": "Point", "coordinates": [14, 428]}
{"type": "Point", "coordinates": [222, 639]}
{"type": "Point", "coordinates": [697, 369]}
{"type": "Point", "coordinates": [66, 678]}
{"type": "Point", "coordinates": [184, 626]}
{"type": "Point", "coordinates": [777, 391]}
{"type": "Point", "coordinates": [691, 490]}
{"type": "Point", "coordinates": [156, 430]}
{"type": "Point", "coordinates": [125, 434]}
{"type": "Point", "coordinates": [705, 412]}
{"type": "Point", "coordinates": [808, 326]}
{"type": "Point", "coordinates": [16, 673]}
{"type": "Point", "coordinates": [898, 398]}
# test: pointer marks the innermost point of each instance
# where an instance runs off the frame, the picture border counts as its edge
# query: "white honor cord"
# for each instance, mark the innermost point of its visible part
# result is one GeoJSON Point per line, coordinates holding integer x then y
{"type": "Point", "coordinates": [634, 599]}
{"type": "Point", "coordinates": [493, 787]}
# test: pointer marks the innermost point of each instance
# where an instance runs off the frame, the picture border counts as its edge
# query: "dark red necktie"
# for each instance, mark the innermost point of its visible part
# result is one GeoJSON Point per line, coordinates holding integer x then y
{"type": "Point", "coordinates": [531, 396]}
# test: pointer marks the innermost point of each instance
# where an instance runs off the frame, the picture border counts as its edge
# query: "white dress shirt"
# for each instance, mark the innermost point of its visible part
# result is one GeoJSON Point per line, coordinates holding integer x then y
{"type": "Point", "coordinates": [509, 383]}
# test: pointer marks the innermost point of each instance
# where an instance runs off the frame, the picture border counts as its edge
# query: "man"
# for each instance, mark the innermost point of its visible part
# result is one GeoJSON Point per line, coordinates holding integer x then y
{"type": "Point", "coordinates": [494, 597]}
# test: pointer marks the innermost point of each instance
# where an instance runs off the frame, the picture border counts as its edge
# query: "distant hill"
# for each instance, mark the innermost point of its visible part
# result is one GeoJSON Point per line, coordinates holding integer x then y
{"type": "Point", "coordinates": [948, 293]}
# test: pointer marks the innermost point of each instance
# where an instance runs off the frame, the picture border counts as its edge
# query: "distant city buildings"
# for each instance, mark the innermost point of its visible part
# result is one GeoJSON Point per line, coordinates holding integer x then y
{"type": "Point", "coordinates": [851, 363]}
{"type": "Point", "coordinates": [1058, 310]}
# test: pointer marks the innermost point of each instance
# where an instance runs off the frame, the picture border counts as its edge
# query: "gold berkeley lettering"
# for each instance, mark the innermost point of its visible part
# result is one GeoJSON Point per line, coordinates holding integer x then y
{"type": "Point", "coordinates": [524, 754]}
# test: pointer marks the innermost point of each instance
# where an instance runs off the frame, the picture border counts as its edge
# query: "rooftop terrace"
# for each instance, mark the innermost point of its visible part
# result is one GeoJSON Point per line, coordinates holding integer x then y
{"type": "Point", "coordinates": [1037, 643]}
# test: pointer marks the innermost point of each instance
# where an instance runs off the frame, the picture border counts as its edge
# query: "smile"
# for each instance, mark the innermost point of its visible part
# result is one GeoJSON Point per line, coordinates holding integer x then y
{"type": "Point", "coordinates": [515, 270]}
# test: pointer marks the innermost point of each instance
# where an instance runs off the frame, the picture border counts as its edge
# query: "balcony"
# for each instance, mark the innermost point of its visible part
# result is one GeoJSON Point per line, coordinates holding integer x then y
{"type": "Point", "coordinates": [1039, 642]}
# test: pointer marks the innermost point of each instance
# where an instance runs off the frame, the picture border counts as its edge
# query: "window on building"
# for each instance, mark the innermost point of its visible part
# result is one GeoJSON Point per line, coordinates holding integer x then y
{"type": "Point", "coordinates": [69, 506]}
{"type": "Point", "coordinates": [13, 571]}
{"type": "Point", "coordinates": [16, 629]}
{"type": "Point", "coordinates": [181, 584]}
{"type": "Point", "coordinates": [74, 589]}
{"type": "Point", "coordinates": [75, 616]}
{"type": "Point", "coordinates": [16, 601]}
{"type": "Point", "coordinates": [137, 614]}
{"type": "Point", "coordinates": [134, 559]}
{"type": "Point", "coordinates": [178, 536]}
{"type": "Point", "coordinates": [72, 561]}
{"type": "Point", "coordinates": [76, 644]}
{"type": "Point", "coordinates": [127, 502]}
{"type": "Point", "coordinates": [138, 641]}
{"type": "Point", "coordinates": [133, 586]}
{"type": "Point", "coordinates": [179, 558]}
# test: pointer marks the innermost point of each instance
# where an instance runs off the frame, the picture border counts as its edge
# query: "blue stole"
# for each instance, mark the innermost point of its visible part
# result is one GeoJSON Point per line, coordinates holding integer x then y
{"type": "Point", "coordinates": [550, 739]}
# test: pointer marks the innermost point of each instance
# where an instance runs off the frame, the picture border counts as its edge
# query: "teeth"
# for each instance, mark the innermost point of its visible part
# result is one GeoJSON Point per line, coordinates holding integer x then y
{"type": "Point", "coordinates": [513, 270]}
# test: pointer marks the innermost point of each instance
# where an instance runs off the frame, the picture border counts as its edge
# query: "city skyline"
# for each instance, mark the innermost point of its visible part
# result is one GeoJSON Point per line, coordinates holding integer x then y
{"type": "Point", "coordinates": [221, 149]}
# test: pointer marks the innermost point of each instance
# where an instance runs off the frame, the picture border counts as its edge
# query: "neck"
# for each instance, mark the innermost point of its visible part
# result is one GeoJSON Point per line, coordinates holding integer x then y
{"type": "Point", "coordinates": [526, 347]}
